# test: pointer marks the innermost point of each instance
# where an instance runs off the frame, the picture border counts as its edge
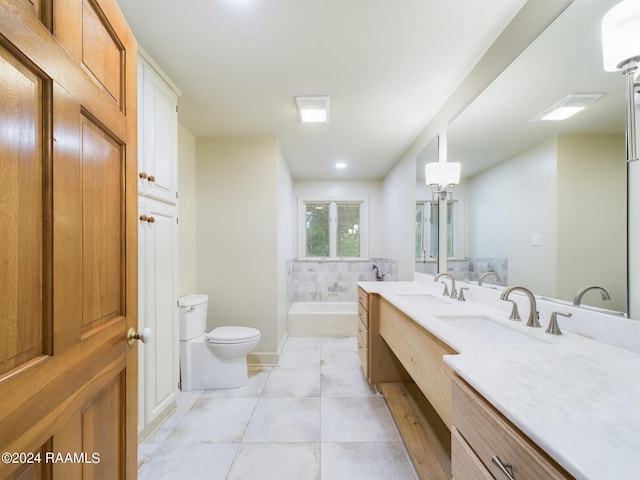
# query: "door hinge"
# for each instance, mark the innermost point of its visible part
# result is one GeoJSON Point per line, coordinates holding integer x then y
{"type": "Point", "coordinates": [176, 108]}
{"type": "Point", "coordinates": [176, 219]}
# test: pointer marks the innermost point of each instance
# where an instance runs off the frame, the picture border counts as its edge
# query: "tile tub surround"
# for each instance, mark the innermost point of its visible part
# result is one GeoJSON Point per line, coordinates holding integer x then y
{"type": "Point", "coordinates": [333, 280]}
{"type": "Point", "coordinates": [576, 397]}
{"type": "Point", "coordinates": [313, 417]}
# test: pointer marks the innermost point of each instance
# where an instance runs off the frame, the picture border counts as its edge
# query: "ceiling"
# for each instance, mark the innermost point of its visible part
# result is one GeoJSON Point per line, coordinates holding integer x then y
{"type": "Point", "coordinates": [387, 66]}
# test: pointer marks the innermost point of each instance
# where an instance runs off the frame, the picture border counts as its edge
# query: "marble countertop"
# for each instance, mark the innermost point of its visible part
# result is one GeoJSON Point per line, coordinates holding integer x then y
{"type": "Point", "coordinates": [576, 397]}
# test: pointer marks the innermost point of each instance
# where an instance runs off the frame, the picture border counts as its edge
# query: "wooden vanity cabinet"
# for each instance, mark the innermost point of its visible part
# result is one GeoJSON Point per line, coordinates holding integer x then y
{"type": "Point", "coordinates": [378, 362]}
{"type": "Point", "coordinates": [480, 432]}
{"type": "Point", "coordinates": [421, 354]}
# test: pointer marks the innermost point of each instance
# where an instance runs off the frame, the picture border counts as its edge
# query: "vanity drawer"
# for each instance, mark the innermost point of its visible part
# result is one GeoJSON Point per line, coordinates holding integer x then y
{"type": "Point", "coordinates": [363, 300]}
{"type": "Point", "coordinates": [363, 315]}
{"type": "Point", "coordinates": [363, 335]}
{"type": "Point", "coordinates": [489, 434]}
{"type": "Point", "coordinates": [464, 463]}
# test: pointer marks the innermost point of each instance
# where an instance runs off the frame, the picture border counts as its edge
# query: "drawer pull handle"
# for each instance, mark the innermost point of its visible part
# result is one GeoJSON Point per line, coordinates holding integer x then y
{"type": "Point", "coordinates": [505, 468]}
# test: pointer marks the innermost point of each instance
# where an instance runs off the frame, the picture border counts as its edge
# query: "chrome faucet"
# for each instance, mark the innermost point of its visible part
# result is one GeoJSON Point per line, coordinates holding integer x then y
{"type": "Point", "coordinates": [454, 293]}
{"type": "Point", "coordinates": [485, 275]}
{"type": "Point", "coordinates": [578, 298]}
{"type": "Point", "coordinates": [532, 321]}
{"type": "Point", "coordinates": [379, 276]}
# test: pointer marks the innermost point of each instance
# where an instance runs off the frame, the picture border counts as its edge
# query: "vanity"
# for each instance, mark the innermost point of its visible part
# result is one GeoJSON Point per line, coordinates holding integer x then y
{"type": "Point", "coordinates": [478, 396]}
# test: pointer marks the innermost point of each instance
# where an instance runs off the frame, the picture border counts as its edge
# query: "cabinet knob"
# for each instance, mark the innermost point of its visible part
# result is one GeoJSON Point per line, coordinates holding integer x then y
{"type": "Point", "coordinates": [142, 175]}
{"type": "Point", "coordinates": [144, 218]}
{"type": "Point", "coordinates": [151, 219]}
{"type": "Point", "coordinates": [151, 178]}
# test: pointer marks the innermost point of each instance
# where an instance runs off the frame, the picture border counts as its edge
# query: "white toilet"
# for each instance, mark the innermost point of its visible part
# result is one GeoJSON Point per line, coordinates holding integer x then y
{"type": "Point", "coordinates": [213, 360]}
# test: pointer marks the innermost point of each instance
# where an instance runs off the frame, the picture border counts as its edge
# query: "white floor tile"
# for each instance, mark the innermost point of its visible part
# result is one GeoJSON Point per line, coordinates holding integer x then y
{"type": "Point", "coordinates": [293, 383]}
{"type": "Point", "coordinates": [276, 461]}
{"type": "Point", "coordinates": [193, 461]}
{"type": "Point", "coordinates": [312, 417]}
{"type": "Point", "coordinates": [214, 420]}
{"type": "Point", "coordinates": [285, 420]}
{"type": "Point", "coordinates": [339, 360]}
{"type": "Point", "coordinates": [365, 461]}
{"type": "Point", "coordinates": [353, 419]}
{"type": "Point", "coordinates": [344, 383]}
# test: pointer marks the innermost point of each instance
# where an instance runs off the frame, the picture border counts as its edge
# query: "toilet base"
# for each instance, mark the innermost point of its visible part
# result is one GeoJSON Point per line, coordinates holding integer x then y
{"type": "Point", "coordinates": [208, 371]}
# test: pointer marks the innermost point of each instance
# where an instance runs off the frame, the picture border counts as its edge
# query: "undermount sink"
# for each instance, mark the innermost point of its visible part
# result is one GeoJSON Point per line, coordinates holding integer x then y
{"type": "Point", "coordinates": [486, 330]}
{"type": "Point", "coordinates": [421, 298]}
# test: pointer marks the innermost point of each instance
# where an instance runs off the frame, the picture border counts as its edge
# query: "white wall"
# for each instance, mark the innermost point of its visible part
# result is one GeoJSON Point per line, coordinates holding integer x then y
{"type": "Point", "coordinates": [523, 191]}
{"type": "Point", "coordinates": [187, 259]}
{"type": "Point", "coordinates": [286, 204]}
{"type": "Point", "coordinates": [592, 218]}
{"type": "Point", "coordinates": [238, 231]}
{"type": "Point", "coordinates": [398, 212]}
{"type": "Point", "coordinates": [345, 190]}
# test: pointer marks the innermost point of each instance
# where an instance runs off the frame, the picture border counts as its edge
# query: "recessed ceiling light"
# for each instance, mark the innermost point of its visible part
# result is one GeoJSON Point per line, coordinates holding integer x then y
{"type": "Point", "coordinates": [313, 109]}
{"type": "Point", "coordinates": [341, 165]}
{"type": "Point", "coordinates": [567, 107]}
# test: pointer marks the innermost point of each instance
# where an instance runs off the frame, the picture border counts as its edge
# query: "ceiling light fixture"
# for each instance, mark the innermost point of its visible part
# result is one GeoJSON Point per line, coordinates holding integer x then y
{"type": "Point", "coordinates": [442, 176]}
{"type": "Point", "coordinates": [567, 107]}
{"type": "Point", "coordinates": [341, 165]}
{"type": "Point", "coordinates": [313, 110]}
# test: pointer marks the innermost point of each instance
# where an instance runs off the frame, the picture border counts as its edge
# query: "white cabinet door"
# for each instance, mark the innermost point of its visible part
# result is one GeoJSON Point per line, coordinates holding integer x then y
{"type": "Point", "coordinates": [158, 136]}
{"type": "Point", "coordinates": [158, 240]}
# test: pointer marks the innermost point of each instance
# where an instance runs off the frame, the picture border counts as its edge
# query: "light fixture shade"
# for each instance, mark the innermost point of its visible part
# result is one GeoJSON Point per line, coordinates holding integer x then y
{"type": "Point", "coordinates": [621, 35]}
{"type": "Point", "coordinates": [442, 174]}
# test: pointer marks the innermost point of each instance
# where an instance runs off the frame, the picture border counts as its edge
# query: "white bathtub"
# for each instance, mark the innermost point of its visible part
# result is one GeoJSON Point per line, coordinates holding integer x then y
{"type": "Point", "coordinates": [323, 319]}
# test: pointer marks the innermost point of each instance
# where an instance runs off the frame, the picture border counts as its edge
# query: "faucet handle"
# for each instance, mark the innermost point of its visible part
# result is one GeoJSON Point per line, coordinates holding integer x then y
{"type": "Point", "coordinates": [553, 327]}
{"type": "Point", "coordinates": [515, 315]}
{"type": "Point", "coordinates": [461, 295]}
{"type": "Point", "coordinates": [446, 289]}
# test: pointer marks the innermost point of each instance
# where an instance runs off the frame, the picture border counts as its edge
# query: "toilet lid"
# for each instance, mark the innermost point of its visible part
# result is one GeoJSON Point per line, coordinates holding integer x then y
{"type": "Point", "coordinates": [232, 334]}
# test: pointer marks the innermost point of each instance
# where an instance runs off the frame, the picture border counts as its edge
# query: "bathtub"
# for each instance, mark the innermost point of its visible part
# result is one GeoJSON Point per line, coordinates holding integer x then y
{"type": "Point", "coordinates": [323, 319]}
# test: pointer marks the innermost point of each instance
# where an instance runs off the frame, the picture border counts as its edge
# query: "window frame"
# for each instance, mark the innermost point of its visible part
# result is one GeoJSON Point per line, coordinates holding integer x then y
{"type": "Point", "coordinates": [333, 229]}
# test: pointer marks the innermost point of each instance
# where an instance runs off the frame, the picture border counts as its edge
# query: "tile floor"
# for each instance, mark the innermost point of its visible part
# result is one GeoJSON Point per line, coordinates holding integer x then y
{"type": "Point", "coordinates": [313, 417]}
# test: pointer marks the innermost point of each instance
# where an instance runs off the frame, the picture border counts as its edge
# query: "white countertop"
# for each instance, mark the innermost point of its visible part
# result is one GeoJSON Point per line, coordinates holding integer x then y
{"type": "Point", "coordinates": [576, 397]}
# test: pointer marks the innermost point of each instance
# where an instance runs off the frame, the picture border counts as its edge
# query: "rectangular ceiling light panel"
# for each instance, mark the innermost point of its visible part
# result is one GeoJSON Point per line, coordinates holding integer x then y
{"type": "Point", "coordinates": [313, 109]}
{"type": "Point", "coordinates": [567, 107]}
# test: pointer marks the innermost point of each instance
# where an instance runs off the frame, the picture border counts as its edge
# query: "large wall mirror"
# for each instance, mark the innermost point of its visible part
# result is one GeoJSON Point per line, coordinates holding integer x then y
{"type": "Point", "coordinates": [544, 203]}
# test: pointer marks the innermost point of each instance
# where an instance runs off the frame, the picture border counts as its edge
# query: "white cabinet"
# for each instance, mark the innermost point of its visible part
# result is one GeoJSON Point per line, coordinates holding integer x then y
{"type": "Point", "coordinates": [157, 275]}
{"type": "Point", "coordinates": [158, 362]}
{"type": "Point", "coordinates": [158, 135]}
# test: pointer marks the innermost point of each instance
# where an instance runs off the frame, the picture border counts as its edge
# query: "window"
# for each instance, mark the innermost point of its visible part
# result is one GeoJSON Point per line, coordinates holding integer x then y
{"type": "Point", "coordinates": [332, 229]}
{"type": "Point", "coordinates": [427, 230]}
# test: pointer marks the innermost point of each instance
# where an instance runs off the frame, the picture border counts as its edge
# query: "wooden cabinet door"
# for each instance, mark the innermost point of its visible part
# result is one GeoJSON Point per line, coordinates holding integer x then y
{"type": "Point", "coordinates": [68, 258]}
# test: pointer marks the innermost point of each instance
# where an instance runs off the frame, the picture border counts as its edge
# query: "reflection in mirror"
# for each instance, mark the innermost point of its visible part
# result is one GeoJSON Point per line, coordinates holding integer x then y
{"type": "Point", "coordinates": [545, 201]}
{"type": "Point", "coordinates": [426, 253]}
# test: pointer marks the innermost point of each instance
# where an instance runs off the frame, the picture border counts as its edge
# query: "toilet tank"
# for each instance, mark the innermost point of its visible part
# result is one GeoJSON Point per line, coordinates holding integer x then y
{"type": "Point", "coordinates": [193, 315]}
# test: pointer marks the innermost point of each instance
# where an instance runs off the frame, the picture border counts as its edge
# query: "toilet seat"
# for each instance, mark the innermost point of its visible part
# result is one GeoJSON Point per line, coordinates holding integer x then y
{"type": "Point", "coordinates": [226, 335]}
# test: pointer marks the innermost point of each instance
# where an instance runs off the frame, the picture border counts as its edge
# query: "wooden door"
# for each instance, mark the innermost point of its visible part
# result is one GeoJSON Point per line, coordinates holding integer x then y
{"type": "Point", "coordinates": [68, 251]}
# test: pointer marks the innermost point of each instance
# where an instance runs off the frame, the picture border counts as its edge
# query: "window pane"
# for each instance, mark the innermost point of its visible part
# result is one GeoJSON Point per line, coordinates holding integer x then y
{"type": "Point", "coordinates": [420, 249]}
{"type": "Point", "coordinates": [433, 229]}
{"type": "Point", "coordinates": [450, 232]}
{"type": "Point", "coordinates": [317, 229]}
{"type": "Point", "coordinates": [348, 241]}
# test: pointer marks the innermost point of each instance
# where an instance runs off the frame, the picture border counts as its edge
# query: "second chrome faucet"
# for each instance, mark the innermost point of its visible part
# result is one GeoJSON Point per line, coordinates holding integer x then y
{"type": "Point", "coordinates": [532, 320]}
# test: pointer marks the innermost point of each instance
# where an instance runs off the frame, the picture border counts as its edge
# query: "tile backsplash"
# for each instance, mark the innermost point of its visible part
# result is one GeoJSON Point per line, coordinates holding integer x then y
{"type": "Point", "coordinates": [333, 280]}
